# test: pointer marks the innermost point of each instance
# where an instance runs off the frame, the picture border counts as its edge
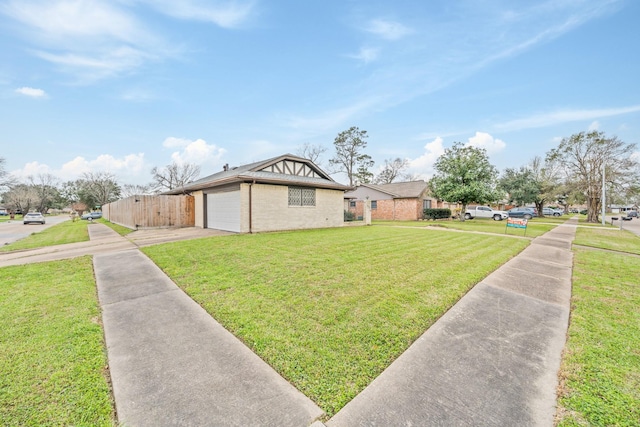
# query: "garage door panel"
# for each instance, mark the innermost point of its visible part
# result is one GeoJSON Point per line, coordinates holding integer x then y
{"type": "Point", "coordinates": [223, 211]}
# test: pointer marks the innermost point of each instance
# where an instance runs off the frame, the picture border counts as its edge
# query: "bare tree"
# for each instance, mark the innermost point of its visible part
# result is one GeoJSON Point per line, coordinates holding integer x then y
{"type": "Point", "coordinates": [392, 170]}
{"type": "Point", "coordinates": [174, 176]}
{"type": "Point", "coordinates": [129, 190]}
{"type": "Point", "coordinates": [312, 152]}
{"type": "Point", "coordinates": [45, 187]}
{"type": "Point", "coordinates": [6, 180]}
{"type": "Point", "coordinates": [586, 156]}
{"type": "Point", "coordinates": [20, 197]}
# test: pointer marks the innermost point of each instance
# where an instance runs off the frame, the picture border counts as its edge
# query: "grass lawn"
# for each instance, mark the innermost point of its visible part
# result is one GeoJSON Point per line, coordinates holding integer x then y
{"type": "Point", "coordinates": [478, 225]}
{"type": "Point", "coordinates": [608, 238]}
{"type": "Point", "coordinates": [331, 309]}
{"type": "Point", "coordinates": [59, 234]}
{"type": "Point", "coordinates": [52, 356]}
{"type": "Point", "coordinates": [65, 232]}
{"type": "Point", "coordinates": [600, 374]}
{"type": "Point", "coordinates": [121, 230]}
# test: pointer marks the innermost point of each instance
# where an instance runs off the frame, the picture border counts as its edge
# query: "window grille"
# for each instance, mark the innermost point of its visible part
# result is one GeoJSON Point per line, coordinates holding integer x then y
{"type": "Point", "coordinates": [302, 196]}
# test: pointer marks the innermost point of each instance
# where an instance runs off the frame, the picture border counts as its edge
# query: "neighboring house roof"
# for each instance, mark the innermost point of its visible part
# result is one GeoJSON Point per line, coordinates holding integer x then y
{"type": "Point", "coordinates": [285, 170]}
{"type": "Point", "coordinates": [400, 190]}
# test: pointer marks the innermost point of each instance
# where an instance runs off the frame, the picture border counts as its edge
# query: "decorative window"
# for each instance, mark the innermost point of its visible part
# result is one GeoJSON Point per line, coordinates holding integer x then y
{"type": "Point", "coordinates": [374, 204]}
{"type": "Point", "coordinates": [299, 196]}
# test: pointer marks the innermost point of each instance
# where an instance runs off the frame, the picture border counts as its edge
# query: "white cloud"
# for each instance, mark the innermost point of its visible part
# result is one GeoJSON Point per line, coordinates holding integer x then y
{"type": "Point", "coordinates": [366, 54]}
{"type": "Point", "coordinates": [172, 141]}
{"type": "Point", "coordinates": [226, 14]}
{"type": "Point", "coordinates": [388, 30]}
{"type": "Point", "coordinates": [557, 117]}
{"type": "Point", "coordinates": [594, 126]}
{"type": "Point", "coordinates": [423, 165]}
{"type": "Point", "coordinates": [486, 141]}
{"type": "Point", "coordinates": [31, 92]}
{"type": "Point", "coordinates": [131, 165]}
{"type": "Point", "coordinates": [197, 152]}
{"type": "Point", "coordinates": [89, 39]}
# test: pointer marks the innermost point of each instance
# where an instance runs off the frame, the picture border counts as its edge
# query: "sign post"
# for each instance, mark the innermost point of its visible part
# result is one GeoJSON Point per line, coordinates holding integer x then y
{"type": "Point", "coordinates": [516, 223]}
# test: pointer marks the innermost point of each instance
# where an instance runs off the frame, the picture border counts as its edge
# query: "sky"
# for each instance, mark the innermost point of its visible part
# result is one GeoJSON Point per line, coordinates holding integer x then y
{"type": "Point", "coordinates": [121, 86]}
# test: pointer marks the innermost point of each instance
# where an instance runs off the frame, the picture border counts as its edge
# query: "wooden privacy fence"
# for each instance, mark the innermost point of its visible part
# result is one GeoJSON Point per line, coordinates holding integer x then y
{"type": "Point", "coordinates": [152, 211]}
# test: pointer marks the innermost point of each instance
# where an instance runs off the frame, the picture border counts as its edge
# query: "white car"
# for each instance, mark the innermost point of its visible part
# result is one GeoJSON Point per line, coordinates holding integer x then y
{"type": "Point", "coordinates": [485, 212]}
{"type": "Point", "coordinates": [33, 217]}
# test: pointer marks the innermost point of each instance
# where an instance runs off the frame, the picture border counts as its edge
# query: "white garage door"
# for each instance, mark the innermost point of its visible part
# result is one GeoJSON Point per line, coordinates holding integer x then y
{"type": "Point", "coordinates": [223, 211]}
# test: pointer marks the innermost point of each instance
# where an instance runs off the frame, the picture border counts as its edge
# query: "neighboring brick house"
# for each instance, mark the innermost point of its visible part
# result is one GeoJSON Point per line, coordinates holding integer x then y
{"type": "Point", "coordinates": [395, 201]}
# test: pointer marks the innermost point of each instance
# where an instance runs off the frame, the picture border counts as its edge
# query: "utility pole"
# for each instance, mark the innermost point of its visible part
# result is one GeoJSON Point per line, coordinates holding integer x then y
{"type": "Point", "coordinates": [604, 200]}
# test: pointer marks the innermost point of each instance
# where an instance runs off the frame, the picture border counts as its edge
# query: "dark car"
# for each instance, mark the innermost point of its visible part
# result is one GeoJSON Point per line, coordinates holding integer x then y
{"type": "Point", "coordinates": [526, 213]}
{"type": "Point", "coordinates": [91, 216]}
{"type": "Point", "coordinates": [632, 214]}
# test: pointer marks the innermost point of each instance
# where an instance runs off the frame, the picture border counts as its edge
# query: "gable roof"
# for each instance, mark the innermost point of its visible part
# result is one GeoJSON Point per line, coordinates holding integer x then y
{"type": "Point", "coordinates": [400, 190]}
{"type": "Point", "coordinates": [285, 170]}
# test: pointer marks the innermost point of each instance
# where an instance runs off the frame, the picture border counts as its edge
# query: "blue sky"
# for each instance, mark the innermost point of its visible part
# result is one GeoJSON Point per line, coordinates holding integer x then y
{"type": "Point", "coordinates": [125, 85]}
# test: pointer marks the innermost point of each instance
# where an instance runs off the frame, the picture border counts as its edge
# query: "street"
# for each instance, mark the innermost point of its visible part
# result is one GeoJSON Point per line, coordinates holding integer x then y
{"type": "Point", "coordinates": [13, 230]}
{"type": "Point", "coordinates": [632, 226]}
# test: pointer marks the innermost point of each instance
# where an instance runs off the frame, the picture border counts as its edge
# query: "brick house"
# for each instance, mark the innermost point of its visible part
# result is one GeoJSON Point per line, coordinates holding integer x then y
{"type": "Point", "coordinates": [395, 201]}
{"type": "Point", "coordinates": [283, 193]}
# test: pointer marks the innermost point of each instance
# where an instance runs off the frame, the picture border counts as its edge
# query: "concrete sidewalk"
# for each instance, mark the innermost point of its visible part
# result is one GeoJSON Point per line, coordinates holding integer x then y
{"type": "Point", "coordinates": [102, 239]}
{"type": "Point", "coordinates": [171, 364]}
{"type": "Point", "coordinates": [491, 360]}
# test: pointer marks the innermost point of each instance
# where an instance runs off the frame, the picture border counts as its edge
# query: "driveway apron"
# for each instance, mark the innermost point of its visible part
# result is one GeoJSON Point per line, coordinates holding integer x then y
{"type": "Point", "coordinates": [491, 360]}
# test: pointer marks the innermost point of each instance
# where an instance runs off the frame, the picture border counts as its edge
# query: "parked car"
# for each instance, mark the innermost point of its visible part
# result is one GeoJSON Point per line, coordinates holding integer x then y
{"type": "Point", "coordinates": [522, 212]}
{"type": "Point", "coordinates": [91, 216]}
{"type": "Point", "coordinates": [484, 212]}
{"type": "Point", "coordinates": [33, 217]}
{"type": "Point", "coordinates": [632, 214]}
{"type": "Point", "coordinates": [552, 212]}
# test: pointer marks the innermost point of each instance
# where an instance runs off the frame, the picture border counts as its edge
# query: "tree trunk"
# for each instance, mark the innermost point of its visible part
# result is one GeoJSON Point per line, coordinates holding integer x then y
{"type": "Point", "coordinates": [463, 211]}
{"type": "Point", "coordinates": [593, 204]}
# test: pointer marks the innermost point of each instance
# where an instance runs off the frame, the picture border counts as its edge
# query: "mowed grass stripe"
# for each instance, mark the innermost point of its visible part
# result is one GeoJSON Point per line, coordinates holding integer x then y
{"type": "Point", "coordinates": [601, 365]}
{"type": "Point", "coordinates": [59, 234]}
{"type": "Point", "coordinates": [331, 309]}
{"type": "Point", "coordinates": [52, 356]}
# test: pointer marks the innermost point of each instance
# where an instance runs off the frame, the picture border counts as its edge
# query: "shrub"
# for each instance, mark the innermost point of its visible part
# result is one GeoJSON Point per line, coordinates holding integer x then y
{"type": "Point", "coordinates": [437, 213]}
{"type": "Point", "coordinates": [349, 216]}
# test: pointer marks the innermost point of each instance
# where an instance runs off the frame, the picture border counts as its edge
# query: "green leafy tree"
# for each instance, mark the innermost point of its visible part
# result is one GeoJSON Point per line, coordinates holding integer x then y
{"type": "Point", "coordinates": [349, 157]}
{"type": "Point", "coordinates": [464, 175]}
{"type": "Point", "coordinates": [98, 189]}
{"type": "Point", "coordinates": [520, 185]}
{"type": "Point", "coordinates": [546, 175]}
{"type": "Point", "coordinates": [585, 156]}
